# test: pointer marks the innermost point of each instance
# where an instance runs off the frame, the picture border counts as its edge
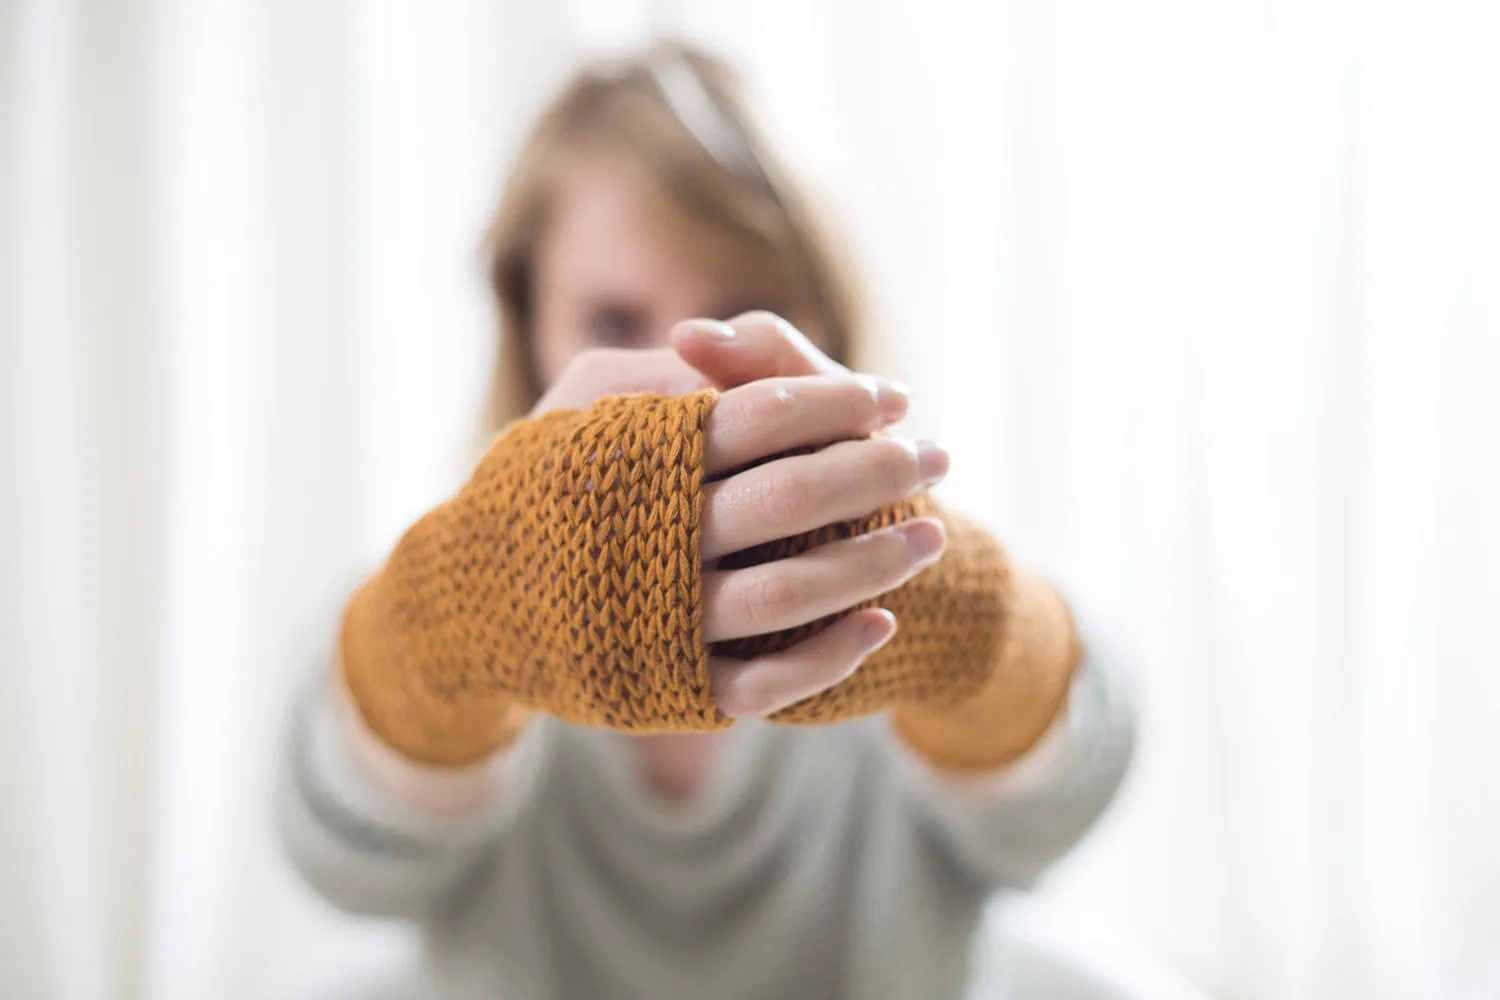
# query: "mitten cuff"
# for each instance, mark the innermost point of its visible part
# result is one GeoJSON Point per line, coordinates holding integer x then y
{"type": "Point", "coordinates": [1029, 687]}
{"type": "Point", "coordinates": [398, 706]}
{"type": "Point", "coordinates": [563, 578]}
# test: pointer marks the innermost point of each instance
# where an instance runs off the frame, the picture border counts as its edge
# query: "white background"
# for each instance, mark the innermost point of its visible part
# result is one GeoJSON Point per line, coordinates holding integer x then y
{"type": "Point", "coordinates": [1204, 297]}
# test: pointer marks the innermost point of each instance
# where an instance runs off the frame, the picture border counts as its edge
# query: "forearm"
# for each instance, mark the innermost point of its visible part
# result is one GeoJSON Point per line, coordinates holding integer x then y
{"type": "Point", "coordinates": [438, 793]}
{"type": "Point", "coordinates": [1009, 825]}
{"type": "Point", "coordinates": [375, 833]}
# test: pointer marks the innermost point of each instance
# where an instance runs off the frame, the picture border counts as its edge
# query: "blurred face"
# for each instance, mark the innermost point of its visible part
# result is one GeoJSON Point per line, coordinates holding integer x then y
{"type": "Point", "coordinates": [610, 271]}
{"type": "Point", "coordinates": [609, 274]}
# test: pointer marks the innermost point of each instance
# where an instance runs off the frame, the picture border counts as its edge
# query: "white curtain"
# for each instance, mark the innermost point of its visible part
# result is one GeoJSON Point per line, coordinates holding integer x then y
{"type": "Point", "coordinates": [1204, 296]}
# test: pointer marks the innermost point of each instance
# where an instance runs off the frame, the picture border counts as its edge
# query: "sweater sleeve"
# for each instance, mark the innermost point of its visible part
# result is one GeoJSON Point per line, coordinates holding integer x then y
{"type": "Point", "coordinates": [1010, 831]}
{"type": "Point", "coordinates": [358, 848]}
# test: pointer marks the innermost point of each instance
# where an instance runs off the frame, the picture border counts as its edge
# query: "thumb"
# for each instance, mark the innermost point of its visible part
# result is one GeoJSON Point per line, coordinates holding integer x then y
{"type": "Point", "coordinates": [617, 372]}
{"type": "Point", "coordinates": [752, 346]}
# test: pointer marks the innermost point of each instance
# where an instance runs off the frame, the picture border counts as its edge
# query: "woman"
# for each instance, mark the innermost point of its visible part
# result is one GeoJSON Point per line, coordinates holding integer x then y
{"type": "Point", "coordinates": [524, 742]}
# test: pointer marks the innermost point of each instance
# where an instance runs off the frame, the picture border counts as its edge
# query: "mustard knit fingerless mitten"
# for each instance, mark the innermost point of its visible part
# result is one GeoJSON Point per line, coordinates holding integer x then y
{"type": "Point", "coordinates": [565, 578]}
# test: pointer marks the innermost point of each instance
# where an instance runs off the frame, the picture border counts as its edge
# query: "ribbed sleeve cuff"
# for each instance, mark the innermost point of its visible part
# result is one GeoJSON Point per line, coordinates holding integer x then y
{"type": "Point", "coordinates": [336, 795]}
{"type": "Point", "coordinates": [1009, 826]}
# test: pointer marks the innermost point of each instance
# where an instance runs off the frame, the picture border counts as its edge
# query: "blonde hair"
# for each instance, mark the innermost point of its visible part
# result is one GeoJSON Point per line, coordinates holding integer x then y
{"type": "Point", "coordinates": [681, 115]}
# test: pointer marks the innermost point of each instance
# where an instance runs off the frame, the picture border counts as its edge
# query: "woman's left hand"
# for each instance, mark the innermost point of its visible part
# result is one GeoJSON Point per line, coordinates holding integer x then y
{"type": "Point", "coordinates": [755, 347]}
{"type": "Point", "coordinates": [751, 346]}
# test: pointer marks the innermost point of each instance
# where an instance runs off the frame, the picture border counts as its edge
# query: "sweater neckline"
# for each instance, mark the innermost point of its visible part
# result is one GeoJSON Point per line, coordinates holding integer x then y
{"type": "Point", "coordinates": [743, 766]}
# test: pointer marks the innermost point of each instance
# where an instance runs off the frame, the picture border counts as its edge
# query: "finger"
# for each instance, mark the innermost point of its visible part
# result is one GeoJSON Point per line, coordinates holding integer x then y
{"type": "Point", "coordinates": [802, 492]}
{"type": "Point", "coordinates": [751, 346]}
{"type": "Point", "coordinates": [775, 415]}
{"type": "Point", "coordinates": [767, 684]}
{"type": "Point", "coordinates": [820, 582]}
{"type": "Point", "coordinates": [601, 372]}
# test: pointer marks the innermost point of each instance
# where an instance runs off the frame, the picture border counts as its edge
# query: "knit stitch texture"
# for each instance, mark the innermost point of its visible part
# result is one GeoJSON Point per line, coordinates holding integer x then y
{"type": "Point", "coordinates": [565, 578]}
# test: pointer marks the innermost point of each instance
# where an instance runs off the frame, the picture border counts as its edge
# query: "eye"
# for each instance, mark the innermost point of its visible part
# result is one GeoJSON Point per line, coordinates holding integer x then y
{"type": "Point", "coordinates": [615, 326]}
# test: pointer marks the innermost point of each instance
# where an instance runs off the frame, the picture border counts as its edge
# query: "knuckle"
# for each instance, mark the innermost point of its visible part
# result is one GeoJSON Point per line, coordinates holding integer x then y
{"type": "Point", "coordinates": [860, 408]}
{"type": "Point", "coordinates": [893, 462]}
{"type": "Point", "coordinates": [770, 598]}
{"type": "Point", "coordinates": [741, 693]}
{"type": "Point", "coordinates": [891, 561]}
{"type": "Point", "coordinates": [771, 411]}
{"type": "Point", "coordinates": [784, 498]}
{"type": "Point", "coordinates": [590, 359]}
{"type": "Point", "coordinates": [594, 364]}
{"type": "Point", "coordinates": [763, 317]}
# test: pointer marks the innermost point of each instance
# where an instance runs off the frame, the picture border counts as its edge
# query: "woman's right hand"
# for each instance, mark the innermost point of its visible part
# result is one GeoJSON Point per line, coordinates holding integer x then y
{"type": "Point", "coordinates": [850, 474]}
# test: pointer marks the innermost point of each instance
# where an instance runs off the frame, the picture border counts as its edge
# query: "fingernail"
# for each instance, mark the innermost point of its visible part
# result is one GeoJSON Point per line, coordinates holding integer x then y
{"type": "Point", "coordinates": [932, 462]}
{"type": "Point", "coordinates": [713, 329]}
{"type": "Point", "coordinates": [876, 633]}
{"type": "Point", "coordinates": [924, 541]}
{"type": "Point", "coordinates": [892, 398]}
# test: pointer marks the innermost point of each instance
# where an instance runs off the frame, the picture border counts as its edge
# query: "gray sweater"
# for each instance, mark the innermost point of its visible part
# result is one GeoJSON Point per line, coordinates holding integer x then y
{"type": "Point", "coordinates": [816, 862]}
